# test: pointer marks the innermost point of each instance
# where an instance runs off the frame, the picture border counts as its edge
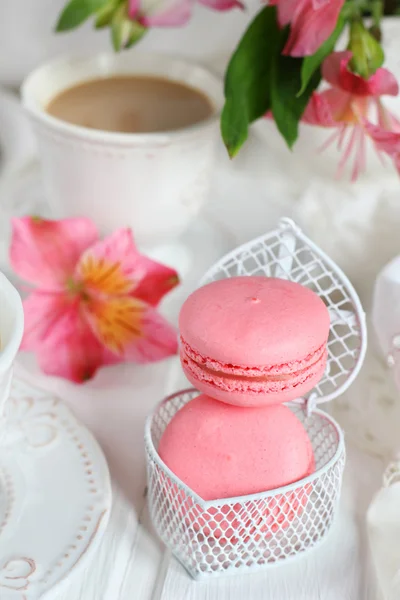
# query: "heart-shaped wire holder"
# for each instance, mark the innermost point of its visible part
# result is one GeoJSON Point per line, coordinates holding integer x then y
{"type": "Point", "coordinates": [246, 533]}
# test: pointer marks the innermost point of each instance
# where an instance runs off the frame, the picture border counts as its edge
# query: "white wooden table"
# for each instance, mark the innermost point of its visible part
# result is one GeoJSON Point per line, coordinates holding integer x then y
{"type": "Point", "coordinates": [131, 563]}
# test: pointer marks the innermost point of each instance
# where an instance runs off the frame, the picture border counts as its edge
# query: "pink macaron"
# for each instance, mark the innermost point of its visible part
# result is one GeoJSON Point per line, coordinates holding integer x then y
{"type": "Point", "coordinates": [253, 341]}
{"type": "Point", "coordinates": [222, 451]}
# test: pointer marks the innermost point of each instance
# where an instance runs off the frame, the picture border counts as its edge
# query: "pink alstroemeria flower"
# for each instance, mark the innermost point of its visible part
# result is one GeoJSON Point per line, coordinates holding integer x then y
{"type": "Point", "coordinates": [348, 106]}
{"type": "Point", "coordinates": [94, 300]}
{"type": "Point", "coordinates": [311, 23]}
{"type": "Point", "coordinates": [386, 141]}
{"type": "Point", "coordinates": [172, 13]}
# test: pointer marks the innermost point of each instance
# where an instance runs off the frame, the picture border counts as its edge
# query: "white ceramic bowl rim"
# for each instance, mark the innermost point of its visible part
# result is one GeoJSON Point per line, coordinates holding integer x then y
{"type": "Point", "coordinates": [106, 64]}
{"type": "Point", "coordinates": [12, 342]}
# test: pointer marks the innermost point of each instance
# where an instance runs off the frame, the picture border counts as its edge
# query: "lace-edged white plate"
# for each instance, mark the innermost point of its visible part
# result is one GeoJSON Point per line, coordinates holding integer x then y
{"type": "Point", "coordinates": [55, 495]}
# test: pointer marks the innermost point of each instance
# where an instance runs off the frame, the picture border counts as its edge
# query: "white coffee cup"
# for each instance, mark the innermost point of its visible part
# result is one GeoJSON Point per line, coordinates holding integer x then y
{"type": "Point", "coordinates": [154, 183]}
{"type": "Point", "coordinates": [11, 330]}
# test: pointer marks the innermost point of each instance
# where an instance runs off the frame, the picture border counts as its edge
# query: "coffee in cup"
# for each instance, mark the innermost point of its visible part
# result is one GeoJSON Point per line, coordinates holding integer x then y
{"type": "Point", "coordinates": [131, 104]}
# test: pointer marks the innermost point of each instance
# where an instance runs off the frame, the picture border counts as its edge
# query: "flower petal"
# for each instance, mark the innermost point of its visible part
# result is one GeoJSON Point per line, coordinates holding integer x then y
{"type": "Point", "coordinates": [131, 329]}
{"type": "Point", "coordinates": [63, 341]}
{"type": "Point", "coordinates": [222, 5]}
{"type": "Point", "coordinates": [319, 111]}
{"type": "Point", "coordinates": [333, 65]}
{"type": "Point", "coordinates": [342, 105]}
{"type": "Point", "coordinates": [385, 141]}
{"type": "Point", "coordinates": [311, 26]}
{"type": "Point", "coordinates": [115, 267]}
{"type": "Point", "coordinates": [380, 84]}
{"type": "Point", "coordinates": [42, 310]}
{"type": "Point", "coordinates": [383, 83]}
{"type": "Point", "coordinates": [287, 9]}
{"type": "Point", "coordinates": [317, 4]}
{"type": "Point", "coordinates": [109, 267]}
{"type": "Point", "coordinates": [159, 339]}
{"type": "Point", "coordinates": [332, 107]}
{"type": "Point", "coordinates": [386, 119]}
{"type": "Point", "coordinates": [45, 253]}
{"type": "Point", "coordinates": [165, 13]}
{"type": "Point", "coordinates": [133, 8]}
{"type": "Point", "coordinates": [156, 280]}
{"type": "Point", "coordinates": [335, 70]}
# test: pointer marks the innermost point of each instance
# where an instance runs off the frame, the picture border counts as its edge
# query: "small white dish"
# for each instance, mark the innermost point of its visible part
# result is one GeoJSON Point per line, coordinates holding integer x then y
{"type": "Point", "coordinates": [56, 495]}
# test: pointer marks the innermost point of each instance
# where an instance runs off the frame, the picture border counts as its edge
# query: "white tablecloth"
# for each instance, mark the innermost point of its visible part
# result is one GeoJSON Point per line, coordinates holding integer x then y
{"type": "Point", "coordinates": [131, 562]}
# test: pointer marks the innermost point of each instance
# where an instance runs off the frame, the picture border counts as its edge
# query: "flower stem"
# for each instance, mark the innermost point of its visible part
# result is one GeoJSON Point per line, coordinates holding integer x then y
{"type": "Point", "coordinates": [354, 9]}
{"type": "Point", "coordinates": [377, 11]}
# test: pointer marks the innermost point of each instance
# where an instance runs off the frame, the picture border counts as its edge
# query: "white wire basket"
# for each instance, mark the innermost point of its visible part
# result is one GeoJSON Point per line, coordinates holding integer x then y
{"type": "Point", "coordinates": [231, 535]}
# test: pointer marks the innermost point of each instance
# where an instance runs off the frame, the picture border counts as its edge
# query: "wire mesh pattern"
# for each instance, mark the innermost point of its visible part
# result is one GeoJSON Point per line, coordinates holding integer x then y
{"type": "Point", "coordinates": [249, 532]}
{"type": "Point", "coordinates": [287, 253]}
{"type": "Point", "coordinates": [261, 530]}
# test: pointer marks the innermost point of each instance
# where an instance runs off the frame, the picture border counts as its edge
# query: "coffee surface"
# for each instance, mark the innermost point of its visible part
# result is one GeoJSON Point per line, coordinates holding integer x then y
{"type": "Point", "coordinates": [131, 104]}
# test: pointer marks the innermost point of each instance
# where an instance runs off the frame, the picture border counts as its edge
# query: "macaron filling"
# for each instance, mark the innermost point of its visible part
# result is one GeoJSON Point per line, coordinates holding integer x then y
{"type": "Point", "coordinates": [253, 379]}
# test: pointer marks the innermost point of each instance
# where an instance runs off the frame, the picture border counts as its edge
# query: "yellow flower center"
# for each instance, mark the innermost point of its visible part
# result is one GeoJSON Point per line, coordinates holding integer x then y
{"type": "Point", "coordinates": [77, 288]}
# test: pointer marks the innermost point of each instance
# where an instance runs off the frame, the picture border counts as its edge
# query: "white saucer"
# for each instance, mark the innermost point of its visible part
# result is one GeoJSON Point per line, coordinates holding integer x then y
{"type": "Point", "coordinates": [55, 495]}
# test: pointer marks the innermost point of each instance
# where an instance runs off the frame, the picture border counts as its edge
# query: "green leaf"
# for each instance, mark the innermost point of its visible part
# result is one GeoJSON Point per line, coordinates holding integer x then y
{"type": "Point", "coordinates": [287, 107]}
{"type": "Point", "coordinates": [234, 124]}
{"type": "Point", "coordinates": [76, 12]}
{"type": "Point", "coordinates": [247, 80]}
{"type": "Point", "coordinates": [136, 34]}
{"type": "Point", "coordinates": [119, 28]}
{"type": "Point", "coordinates": [124, 32]}
{"type": "Point", "coordinates": [105, 15]}
{"type": "Point", "coordinates": [312, 63]}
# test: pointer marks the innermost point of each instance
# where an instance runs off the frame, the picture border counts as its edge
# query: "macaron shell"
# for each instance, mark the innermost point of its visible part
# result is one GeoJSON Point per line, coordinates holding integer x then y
{"type": "Point", "coordinates": [254, 321]}
{"type": "Point", "coordinates": [223, 451]}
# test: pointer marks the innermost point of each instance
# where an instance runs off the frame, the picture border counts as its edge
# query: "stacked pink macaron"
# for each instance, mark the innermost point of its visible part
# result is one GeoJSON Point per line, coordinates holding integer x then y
{"type": "Point", "coordinates": [249, 344]}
